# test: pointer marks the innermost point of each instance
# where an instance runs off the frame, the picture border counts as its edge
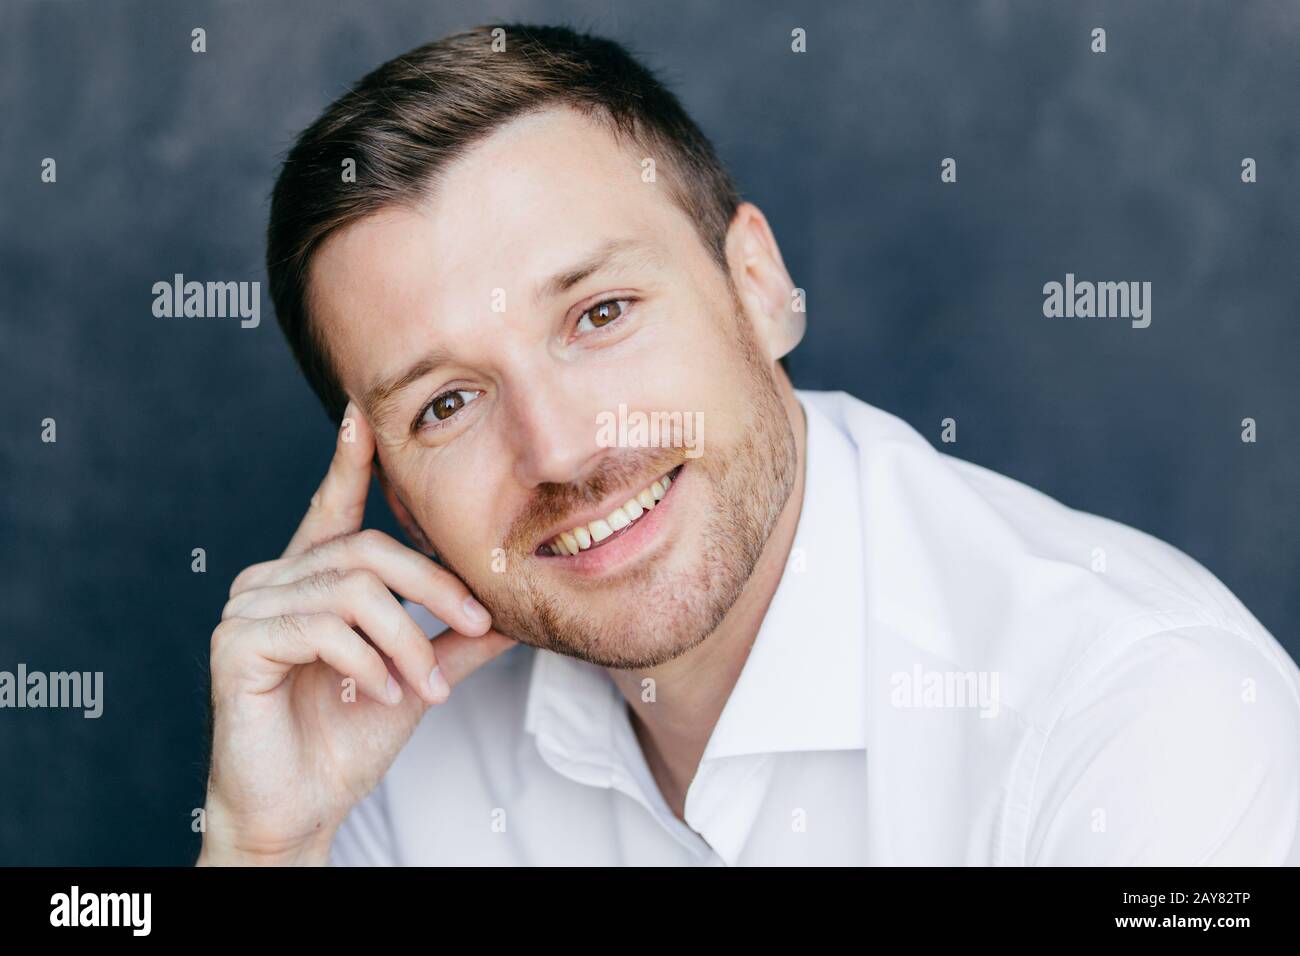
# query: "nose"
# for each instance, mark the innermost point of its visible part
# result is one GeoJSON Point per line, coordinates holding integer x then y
{"type": "Point", "coordinates": [552, 432]}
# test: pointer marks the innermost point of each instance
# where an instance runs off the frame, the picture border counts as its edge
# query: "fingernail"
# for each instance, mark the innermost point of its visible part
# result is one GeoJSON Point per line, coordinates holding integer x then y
{"type": "Point", "coordinates": [438, 684]}
{"type": "Point", "coordinates": [476, 612]}
{"type": "Point", "coordinates": [394, 690]}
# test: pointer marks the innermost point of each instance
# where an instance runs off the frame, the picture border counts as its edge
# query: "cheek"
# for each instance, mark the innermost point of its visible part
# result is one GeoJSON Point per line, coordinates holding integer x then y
{"type": "Point", "coordinates": [687, 360]}
{"type": "Point", "coordinates": [707, 373]}
{"type": "Point", "coordinates": [456, 499]}
{"type": "Point", "coordinates": [425, 489]}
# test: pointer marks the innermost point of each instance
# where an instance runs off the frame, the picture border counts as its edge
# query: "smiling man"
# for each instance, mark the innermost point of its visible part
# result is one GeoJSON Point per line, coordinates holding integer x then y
{"type": "Point", "coordinates": [811, 639]}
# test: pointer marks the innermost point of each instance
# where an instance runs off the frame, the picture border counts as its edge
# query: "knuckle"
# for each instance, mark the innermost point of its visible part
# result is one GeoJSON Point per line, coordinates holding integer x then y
{"type": "Point", "coordinates": [220, 646]}
{"type": "Point", "coordinates": [236, 603]}
{"type": "Point", "coordinates": [454, 587]}
{"type": "Point", "coordinates": [324, 581]}
{"type": "Point", "coordinates": [365, 584]}
{"type": "Point", "coordinates": [245, 579]}
{"type": "Point", "coordinates": [320, 551]}
{"type": "Point", "coordinates": [370, 539]}
{"type": "Point", "coordinates": [288, 629]}
{"type": "Point", "coordinates": [220, 635]}
{"type": "Point", "coordinates": [441, 575]}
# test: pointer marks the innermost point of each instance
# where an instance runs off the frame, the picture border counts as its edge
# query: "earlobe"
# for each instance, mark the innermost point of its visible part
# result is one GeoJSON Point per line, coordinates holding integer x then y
{"type": "Point", "coordinates": [791, 328]}
{"type": "Point", "coordinates": [766, 291]}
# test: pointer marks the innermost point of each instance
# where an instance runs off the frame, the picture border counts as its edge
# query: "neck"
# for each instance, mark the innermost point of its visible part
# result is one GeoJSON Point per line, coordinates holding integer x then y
{"type": "Point", "coordinates": [691, 690]}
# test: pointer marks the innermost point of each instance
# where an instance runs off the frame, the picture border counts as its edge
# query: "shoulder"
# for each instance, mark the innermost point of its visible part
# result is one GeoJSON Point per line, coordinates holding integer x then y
{"type": "Point", "coordinates": [973, 566]}
{"type": "Point", "coordinates": [1144, 715]}
{"type": "Point", "coordinates": [1179, 748]}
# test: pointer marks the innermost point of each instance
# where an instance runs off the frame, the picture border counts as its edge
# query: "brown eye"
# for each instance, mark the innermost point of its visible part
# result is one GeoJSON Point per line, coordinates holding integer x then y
{"type": "Point", "coordinates": [604, 313]}
{"type": "Point", "coordinates": [449, 403]}
{"type": "Point", "coordinates": [444, 406]}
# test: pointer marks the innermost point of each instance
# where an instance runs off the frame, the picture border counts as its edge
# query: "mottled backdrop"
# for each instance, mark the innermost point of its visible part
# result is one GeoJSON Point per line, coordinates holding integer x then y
{"type": "Point", "coordinates": [924, 298]}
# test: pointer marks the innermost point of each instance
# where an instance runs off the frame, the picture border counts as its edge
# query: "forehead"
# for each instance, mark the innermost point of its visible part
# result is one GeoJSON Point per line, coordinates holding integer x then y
{"type": "Point", "coordinates": [531, 199]}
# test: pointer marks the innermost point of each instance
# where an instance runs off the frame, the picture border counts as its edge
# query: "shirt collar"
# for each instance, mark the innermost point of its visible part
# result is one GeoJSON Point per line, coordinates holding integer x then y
{"type": "Point", "coordinates": [803, 686]}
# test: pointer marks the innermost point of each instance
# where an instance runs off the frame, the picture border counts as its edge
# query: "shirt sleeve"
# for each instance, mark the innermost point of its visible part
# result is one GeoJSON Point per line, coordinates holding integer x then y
{"type": "Point", "coordinates": [1185, 750]}
{"type": "Point", "coordinates": [365, 838]}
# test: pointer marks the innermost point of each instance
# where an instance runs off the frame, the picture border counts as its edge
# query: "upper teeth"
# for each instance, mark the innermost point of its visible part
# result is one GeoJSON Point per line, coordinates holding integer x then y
{"type": "Point", "coordinates": [584, 536]}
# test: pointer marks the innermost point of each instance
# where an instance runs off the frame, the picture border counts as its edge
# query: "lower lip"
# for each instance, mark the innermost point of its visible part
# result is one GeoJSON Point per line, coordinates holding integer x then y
{"type": "Point", "coordinates": [622, 549]}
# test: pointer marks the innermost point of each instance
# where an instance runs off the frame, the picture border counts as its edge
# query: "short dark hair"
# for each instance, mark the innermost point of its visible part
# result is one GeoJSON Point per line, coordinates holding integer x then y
{"type": "Point", "coordinates": [405, 121]}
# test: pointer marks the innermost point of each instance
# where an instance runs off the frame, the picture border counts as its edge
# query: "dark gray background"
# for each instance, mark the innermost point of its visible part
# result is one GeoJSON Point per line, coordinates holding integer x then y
{"type": "Point", "coordinates": [924, 299]}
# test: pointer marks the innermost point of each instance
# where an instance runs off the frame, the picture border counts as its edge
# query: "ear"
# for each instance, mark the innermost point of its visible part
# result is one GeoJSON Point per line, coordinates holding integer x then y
{"type": "Point", "coordinates": [401, 512]}
{"type": "Point", "coordinates": [764, 286]}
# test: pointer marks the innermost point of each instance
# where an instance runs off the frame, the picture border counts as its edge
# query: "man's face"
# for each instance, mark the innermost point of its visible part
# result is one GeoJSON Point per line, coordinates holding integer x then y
{"type": "Point", "coordinates": [544, 286]}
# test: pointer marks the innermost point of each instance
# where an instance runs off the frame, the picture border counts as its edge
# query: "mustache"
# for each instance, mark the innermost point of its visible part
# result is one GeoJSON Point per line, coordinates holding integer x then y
{"type": "Point", "coordinates": [553, 502]}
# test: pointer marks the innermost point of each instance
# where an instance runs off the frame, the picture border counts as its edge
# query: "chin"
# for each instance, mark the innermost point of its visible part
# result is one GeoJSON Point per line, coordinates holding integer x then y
{"type": "Point", "coordinates": [650, 620]}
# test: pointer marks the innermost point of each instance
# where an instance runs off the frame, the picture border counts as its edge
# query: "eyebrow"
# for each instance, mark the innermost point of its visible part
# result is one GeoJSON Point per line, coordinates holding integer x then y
{"type": "Point", "coordinates": [378, 399]}
{"type": "Point", "coordinates": [634, 251]}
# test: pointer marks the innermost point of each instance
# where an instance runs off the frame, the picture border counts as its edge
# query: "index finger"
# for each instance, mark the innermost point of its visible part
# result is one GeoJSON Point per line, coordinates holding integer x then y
{"type": "Point", "coordinates": [339, 503]}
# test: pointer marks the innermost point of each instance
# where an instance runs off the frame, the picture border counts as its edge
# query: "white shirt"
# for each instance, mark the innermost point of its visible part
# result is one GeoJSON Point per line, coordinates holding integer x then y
{"type": "Point", "coordinates": [955, 669]}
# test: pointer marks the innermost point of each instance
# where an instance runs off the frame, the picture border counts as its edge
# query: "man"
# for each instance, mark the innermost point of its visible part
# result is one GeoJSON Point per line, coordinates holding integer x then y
{"type": "Point", "coordinates": [780, 629]}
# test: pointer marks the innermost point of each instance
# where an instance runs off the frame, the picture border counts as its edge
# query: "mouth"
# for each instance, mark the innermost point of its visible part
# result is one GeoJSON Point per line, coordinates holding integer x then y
{"type": "Point", "coordinates": [608, 528]}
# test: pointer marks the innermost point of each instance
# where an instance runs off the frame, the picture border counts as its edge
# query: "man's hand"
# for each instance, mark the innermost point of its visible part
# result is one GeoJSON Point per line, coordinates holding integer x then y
{"type": "Point", "coordinates": [319, 675]}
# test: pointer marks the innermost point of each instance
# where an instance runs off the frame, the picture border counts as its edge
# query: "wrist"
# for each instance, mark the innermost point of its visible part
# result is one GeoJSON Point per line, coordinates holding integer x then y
{"type": "Point", "coordinates": [225, 844]}
{"type": "Point", "coordinates": [308, 854]}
